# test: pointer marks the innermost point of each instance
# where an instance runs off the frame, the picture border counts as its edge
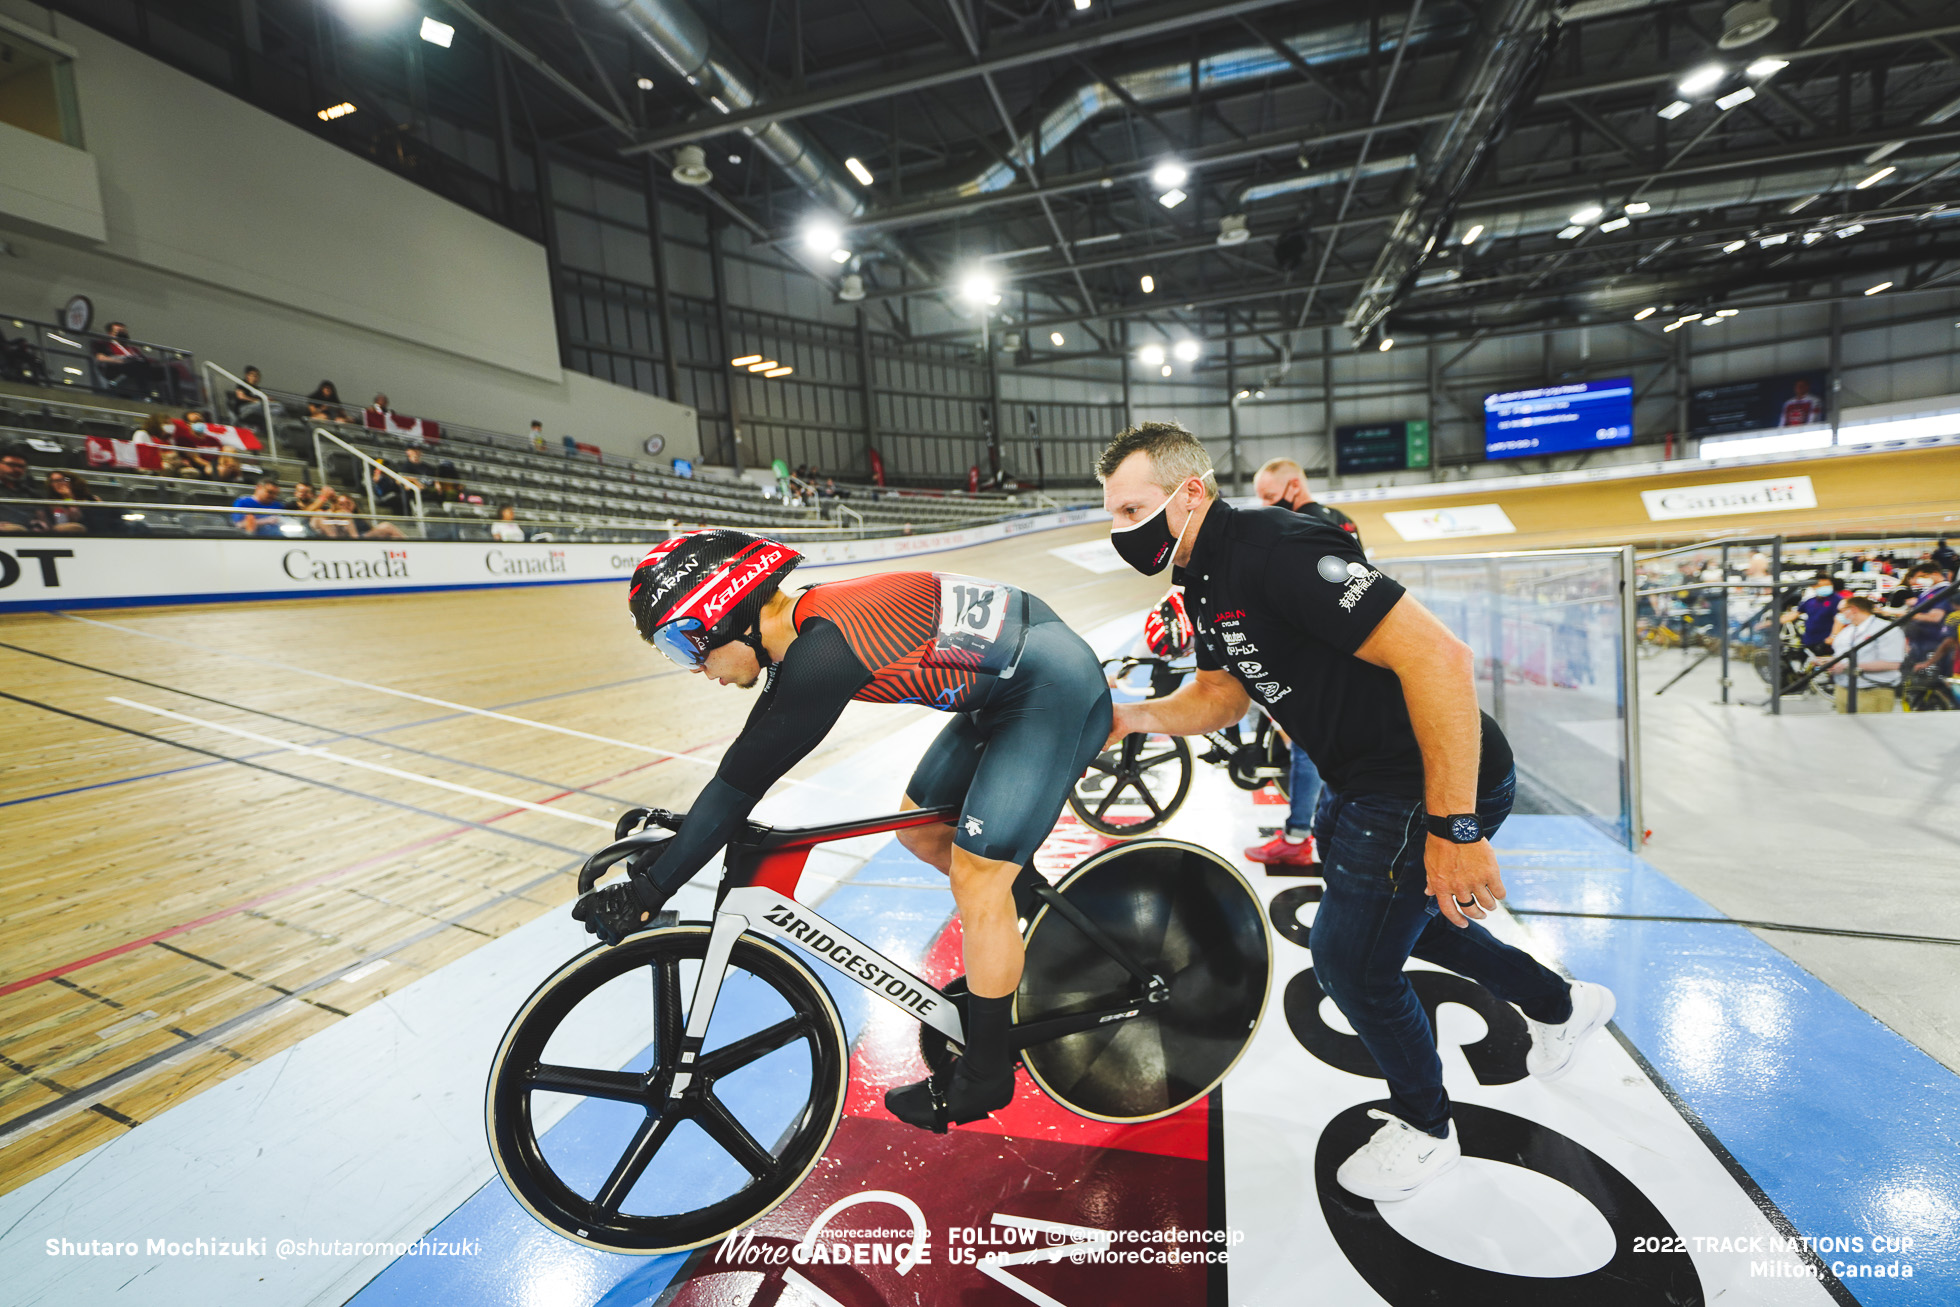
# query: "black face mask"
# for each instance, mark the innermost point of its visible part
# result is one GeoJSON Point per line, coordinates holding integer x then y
{"type": "Point", "coordinates": [1148, 545]}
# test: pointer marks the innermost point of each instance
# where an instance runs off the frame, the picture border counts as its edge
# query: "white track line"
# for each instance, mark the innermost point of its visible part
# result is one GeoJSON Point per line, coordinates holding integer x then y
{"type": "Point", "coordinates": [403, 694]}
{"type": "Point", "coordinates": [312, 751]}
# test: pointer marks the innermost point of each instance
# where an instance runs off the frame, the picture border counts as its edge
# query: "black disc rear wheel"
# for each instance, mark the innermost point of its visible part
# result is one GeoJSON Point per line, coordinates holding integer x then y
{"type": "Point", "coordinates": [585, 1129]}
{"type": "Point", "coordinates": [1181, 912]}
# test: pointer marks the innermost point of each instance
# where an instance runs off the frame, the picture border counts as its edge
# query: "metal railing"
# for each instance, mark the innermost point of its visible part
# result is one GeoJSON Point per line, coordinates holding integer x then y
{"type": "Point", "coordinates": [58, 357]}
{"type": "Point", "coordinates": [265, 403]}
{"type": "Point", "coordinates": [374, 465]}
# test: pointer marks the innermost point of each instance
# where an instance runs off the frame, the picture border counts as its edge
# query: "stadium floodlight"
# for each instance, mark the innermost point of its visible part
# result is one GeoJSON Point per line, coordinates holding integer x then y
{"type": "Point", "coordinates": [1702, 80]}
{"type": "Point", "coordinates": [977, 287]}
{"type": "Point", "coordinates": [436, 33]}
{"type": "Point", "coordinates": [1151, 356]}
{"type": "Point", "coordinates": [859, 171]}
{"type": "Point", "coordinates": [1187, 351]}
{"type": "Point", "coordinates": [1168, 175]}
{"type": "Point", "coordinates": [820, 236]}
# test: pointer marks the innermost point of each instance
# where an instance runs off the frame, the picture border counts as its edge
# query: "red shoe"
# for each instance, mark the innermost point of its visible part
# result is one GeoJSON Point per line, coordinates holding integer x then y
{"type": "Point", "coordinates": [1277, 852]}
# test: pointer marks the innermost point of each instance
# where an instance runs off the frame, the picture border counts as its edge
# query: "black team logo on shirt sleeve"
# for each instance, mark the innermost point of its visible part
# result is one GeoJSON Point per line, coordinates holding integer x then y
{"type": "Point", "coordinates": [1353, 578]}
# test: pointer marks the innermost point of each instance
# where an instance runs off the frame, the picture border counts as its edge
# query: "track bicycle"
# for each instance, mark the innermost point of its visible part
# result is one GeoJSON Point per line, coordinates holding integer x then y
{"type": "Point", "coordinates": [1138, 785]}
{"type": "Point", "coordinates": [695, 1072]}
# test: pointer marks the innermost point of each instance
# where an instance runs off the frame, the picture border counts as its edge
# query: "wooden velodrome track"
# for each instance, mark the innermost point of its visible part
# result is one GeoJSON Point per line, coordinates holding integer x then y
{"type": "Point", "coordinates": [225, 827]}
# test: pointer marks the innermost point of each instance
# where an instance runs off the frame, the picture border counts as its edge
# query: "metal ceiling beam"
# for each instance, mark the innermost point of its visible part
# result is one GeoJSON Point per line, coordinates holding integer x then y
{"type": "Point", "coordinates": [522, 53]}
{"type": "Point", "coordinates": [1158, 20]}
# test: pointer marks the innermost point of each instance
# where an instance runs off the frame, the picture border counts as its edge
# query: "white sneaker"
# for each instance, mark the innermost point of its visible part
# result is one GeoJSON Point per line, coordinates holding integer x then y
{"type": "Point", "coordinates": [1552, 1047]}
{"type": "Point", "coordinates": [1399, 1160]}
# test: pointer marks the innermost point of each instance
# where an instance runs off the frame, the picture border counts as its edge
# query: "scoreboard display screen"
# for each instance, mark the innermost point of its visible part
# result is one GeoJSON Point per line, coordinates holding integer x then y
{"type": "Point", "coordinates": [1381, 447]}
{"type": "Point", "coordinates": [1559, 419]}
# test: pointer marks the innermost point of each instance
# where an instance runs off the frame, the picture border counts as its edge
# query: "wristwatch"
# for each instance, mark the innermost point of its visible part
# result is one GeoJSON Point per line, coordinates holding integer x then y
{"type": "Point", "coordinates": [1457, 828]}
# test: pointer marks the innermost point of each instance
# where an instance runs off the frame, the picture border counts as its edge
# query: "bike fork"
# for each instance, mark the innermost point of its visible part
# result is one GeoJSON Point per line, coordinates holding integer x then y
{"type": "Point", "coordinates": [728, 928]}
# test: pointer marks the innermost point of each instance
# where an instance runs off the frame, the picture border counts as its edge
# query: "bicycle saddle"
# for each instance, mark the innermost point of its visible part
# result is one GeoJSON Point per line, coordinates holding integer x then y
{"type": "Point", "coordinates": [658, 826]}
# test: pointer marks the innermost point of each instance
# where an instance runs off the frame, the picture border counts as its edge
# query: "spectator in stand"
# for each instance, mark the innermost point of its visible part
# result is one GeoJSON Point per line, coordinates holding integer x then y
{"type": "Point", "coordinates": [195, 449]}
{"type": "Point", "coordinates": [380, 408]}
{"type": "Point", "coordinates": [1930, 605]}
{"type": "Point", "coordinates": [230, 472]}
{"type": "Point", "coordinates": [448, 485]}
{"type": "Point", "coordinates": [414, 467]}
{"type": "Point", "coordinates": [1944, 557]}
{"type": "Point", "coordinates": [309, 501]}
{"type": "Point", "coordinates": [256, 520]}
{"type": "Point", "coordinates": [18, 519]}
{"type": "Point", "coordinates": [537, 435]}
{"type": "Point", "coordinates": [361, 527]}
{"type": "Point", "coordinates": [337, 522]}
{"type": "Point", "coordinates": [246, 410]}
{"type": "Point", "coordinates": [1802, 408]}
{"type": "Point", "coordinates": [324, 405]}
{"type": "Point", "coordinates": [121, 364]}
{"type": "Point", "coordinates": [571, 447]}
{"type": "Point", "coordinates": [390, 496]}
{"type": "Point", "coordinates": [1818, 611]}
{"type": "Point", "coordinates": [1878, 662]}
{"type": "Point", "coordinates": [505, 528]}
{"type": "Point", "coordinates": [69, 496]}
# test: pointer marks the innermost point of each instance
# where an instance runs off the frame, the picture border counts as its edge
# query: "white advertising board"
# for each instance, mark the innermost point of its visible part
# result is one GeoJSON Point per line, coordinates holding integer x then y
{"type": "Point", "coordinates": [1729, 497]}
{"type": "Point", "coordinates": [96, 571]}
{"type": "Point", "coordinates": [1449, 523]}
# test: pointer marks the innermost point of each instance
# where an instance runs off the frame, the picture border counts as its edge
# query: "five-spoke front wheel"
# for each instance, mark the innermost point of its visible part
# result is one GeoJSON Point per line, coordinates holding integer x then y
{"type": "Point", "coordinates": [607, 1133]}
{"type": "Point", "coordinates": [1135, 787]}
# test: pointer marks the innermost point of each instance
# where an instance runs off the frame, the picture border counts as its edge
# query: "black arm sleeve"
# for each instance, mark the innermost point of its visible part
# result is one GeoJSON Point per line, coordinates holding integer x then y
{"type": "Point", "coordinates": [805, 696]}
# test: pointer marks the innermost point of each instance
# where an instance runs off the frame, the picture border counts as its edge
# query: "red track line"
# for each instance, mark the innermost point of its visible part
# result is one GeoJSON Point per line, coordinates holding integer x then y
{"type": "Point", "coordinates": [285, 890]}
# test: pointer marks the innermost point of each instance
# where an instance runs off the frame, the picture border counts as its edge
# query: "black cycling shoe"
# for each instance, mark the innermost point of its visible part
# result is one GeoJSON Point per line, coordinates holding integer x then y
{"type": "Point", "coordinates": [951, 1098]}
{"type": "Point", "coordinates": [616, 911]}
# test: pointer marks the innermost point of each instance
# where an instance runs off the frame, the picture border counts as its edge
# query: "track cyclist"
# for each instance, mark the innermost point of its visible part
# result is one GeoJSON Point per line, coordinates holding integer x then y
{"type": "Point", "coordinates": [1030, 710]}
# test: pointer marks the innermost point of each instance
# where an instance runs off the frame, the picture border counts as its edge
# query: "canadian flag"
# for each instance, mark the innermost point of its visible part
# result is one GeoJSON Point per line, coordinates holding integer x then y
{"type": "Point", "coordinates": [110, 454]}
{"type": "Point", "coordinates": [423, 429]}
{"type": "Point", "coordinates": [240, 440]}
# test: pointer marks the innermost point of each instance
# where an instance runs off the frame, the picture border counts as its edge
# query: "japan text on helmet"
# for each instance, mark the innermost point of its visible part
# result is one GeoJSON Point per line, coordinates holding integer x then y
{"type": "Point", "coordinates": [706, 588]}
{"type": "Point", "coordinates": [1167, 628]}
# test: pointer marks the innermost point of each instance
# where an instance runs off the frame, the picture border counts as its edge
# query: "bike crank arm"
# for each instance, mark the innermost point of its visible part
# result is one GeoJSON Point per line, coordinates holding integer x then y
{"type": "Point", "coordinates": [1024, 1034]}
{"type": "Point", "coordinates": [1156, 990]}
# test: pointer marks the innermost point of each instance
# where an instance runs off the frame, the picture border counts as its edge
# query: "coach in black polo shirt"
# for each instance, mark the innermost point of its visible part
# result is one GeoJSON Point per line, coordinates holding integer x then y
{"type": "Point", "coordinates": [1381, 694]}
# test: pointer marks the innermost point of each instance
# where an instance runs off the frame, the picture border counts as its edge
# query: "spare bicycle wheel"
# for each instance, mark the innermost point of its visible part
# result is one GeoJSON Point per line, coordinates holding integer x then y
{"type": "Point", "coordinates": [583, 1127]}
{"type": "Point", "coordinates": [1135, 787]}
{"type": "Point", "coordinates": [1182, 913]}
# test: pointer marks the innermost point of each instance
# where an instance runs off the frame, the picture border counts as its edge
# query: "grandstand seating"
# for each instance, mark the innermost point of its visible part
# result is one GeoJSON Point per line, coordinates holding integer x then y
{"type": "Point", "coordinates": [559, 496]}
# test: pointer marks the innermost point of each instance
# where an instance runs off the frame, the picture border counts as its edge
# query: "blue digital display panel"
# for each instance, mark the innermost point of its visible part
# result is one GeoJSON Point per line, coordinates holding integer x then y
{"type": "Point", "coordinates": [1559, 419]}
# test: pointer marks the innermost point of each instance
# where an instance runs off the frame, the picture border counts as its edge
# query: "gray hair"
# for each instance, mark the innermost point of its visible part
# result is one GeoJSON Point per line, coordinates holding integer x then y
{"type": "Point", "coordinates": [1175, 456]}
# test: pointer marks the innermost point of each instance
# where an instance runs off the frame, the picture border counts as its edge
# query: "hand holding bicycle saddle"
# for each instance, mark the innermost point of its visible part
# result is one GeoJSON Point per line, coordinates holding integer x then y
{"type": "Point", "coordinates": [711, 1062]}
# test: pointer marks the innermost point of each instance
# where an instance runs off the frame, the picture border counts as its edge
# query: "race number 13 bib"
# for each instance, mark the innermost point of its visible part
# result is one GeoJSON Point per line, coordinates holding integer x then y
{"type": "Point", "coordinates": [981, 625]}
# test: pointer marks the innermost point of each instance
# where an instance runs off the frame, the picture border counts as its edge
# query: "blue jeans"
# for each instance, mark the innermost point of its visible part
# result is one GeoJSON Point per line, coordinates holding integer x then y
{"type": "Point", "coordinates": [1304, 791]}
{"type": "Point", "coordinates": [1376, 914]}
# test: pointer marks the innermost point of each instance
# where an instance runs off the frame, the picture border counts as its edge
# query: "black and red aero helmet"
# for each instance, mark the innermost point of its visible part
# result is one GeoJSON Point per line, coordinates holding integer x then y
{"type": "Point", "coordinates": [1167, 628]}
{"type": "Point", "coordinates": [705, 588]}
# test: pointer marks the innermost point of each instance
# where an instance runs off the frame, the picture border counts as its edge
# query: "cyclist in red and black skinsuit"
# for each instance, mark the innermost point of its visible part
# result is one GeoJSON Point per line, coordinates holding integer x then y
{"type": "Point", "coordinates": [1030, 712]}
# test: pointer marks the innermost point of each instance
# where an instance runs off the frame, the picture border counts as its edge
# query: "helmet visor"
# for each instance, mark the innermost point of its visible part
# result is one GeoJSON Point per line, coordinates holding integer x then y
{"type": "Point", "coordinates": [684, 641]}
